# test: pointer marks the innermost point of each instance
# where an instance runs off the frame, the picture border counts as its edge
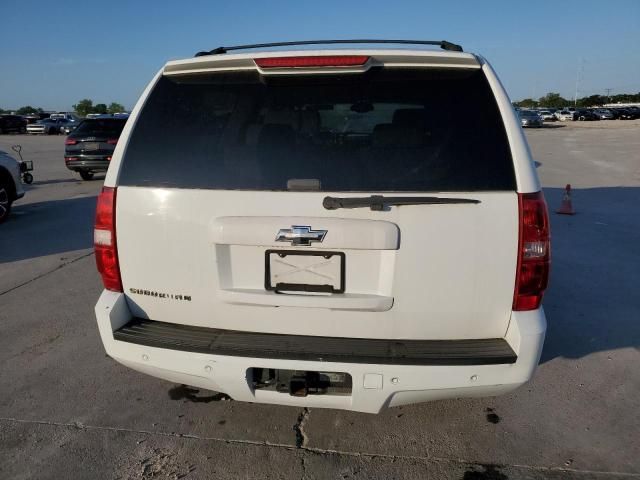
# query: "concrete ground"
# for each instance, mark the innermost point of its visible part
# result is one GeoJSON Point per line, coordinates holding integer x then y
{"type": "Point", "coordinates": [68, 411]}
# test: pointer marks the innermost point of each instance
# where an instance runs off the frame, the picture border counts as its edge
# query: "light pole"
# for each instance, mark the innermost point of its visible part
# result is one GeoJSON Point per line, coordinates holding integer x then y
{"type": "Point", "coordinates": [579, 75]}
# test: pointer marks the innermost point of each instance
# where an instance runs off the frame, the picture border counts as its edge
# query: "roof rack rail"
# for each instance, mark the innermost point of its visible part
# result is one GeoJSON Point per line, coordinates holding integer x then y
{"type": "Point", "coordinates": [441, 43]}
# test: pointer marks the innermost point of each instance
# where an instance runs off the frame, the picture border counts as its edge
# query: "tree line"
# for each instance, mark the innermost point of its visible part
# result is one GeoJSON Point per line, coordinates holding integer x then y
{"type": "Point", "coordinates": [82, 108]}
{"type": "Point", "coordinates": [555, 100]}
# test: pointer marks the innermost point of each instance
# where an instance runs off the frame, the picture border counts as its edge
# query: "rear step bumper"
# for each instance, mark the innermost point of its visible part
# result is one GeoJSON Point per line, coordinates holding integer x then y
{"type": "Point", "coordinates": [385, 373]}
{"type": "Point", "coordinates": [315, 349]}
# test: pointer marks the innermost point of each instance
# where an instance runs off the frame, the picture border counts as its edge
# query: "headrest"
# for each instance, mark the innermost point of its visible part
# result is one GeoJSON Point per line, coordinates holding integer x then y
{"type": "Point", "coordinates": [309, 121]}
{"type": "Point", "coordinates": [282, 117]}
{"type": "Point", "coordinates": [390, 135]}
{"type": "Point", "coordinates": [252, 133]}
{"type": "Point", "coordinates": [274, 136]}
{"type": "Point", "coordinates": [385, 135]}
{"type": "Point", "coordinates": [410, 117]}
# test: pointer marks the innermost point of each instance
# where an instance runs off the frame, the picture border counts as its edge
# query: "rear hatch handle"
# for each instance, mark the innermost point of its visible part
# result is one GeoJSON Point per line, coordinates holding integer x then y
{"type": "Point", "coordinates": [379, 202]}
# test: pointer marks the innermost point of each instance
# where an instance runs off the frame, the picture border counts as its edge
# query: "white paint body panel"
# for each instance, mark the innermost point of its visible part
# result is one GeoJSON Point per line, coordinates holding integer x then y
{"type": "Point", "coordinates": [341, 232]}
{"type": "Point", "coordinates": [451, 277]}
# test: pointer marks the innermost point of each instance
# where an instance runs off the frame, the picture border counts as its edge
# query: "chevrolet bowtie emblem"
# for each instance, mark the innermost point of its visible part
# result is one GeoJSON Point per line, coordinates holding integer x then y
{"type": "Point", "coordinates": [300, 235]}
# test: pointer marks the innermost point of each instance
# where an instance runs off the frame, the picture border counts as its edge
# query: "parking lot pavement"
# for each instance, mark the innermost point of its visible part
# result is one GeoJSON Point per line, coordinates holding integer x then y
{"type": "Point", "coordinates": [68, 411]}
{"type": "Point", "coordinates": [48, 227]}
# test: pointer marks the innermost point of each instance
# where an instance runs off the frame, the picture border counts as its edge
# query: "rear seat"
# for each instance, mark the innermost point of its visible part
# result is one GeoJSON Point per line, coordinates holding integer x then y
{"type": "Point", "coordinates": [404, 143]}
{"type": "Point", "coordinates": [275, 137]}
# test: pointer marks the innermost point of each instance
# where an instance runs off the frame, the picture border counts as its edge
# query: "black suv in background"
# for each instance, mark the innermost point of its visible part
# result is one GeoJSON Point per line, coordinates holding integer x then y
{"type": "Point", "coordinates": [12, 123]}
{"type": "Point", "coordinates": [585, 115]}
{"type": "Point", "coordinates": [89, 147]}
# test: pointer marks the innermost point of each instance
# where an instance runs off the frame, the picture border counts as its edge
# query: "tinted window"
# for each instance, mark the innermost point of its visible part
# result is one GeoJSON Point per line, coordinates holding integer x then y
{"type": "Point", "coordinates": [386, 130]}
{"type": "Point", "coordinates": [100, 127]}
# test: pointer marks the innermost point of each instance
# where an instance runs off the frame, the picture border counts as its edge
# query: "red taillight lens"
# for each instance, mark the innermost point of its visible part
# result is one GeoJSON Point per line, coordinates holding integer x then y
{"type": "Point", "coordinates": [312, 61]}
{"type": "Point", "coordinates": [112, 141]}
{"type": "Point", "coordinates": [70, 141]}
{"type": "Point", "coordinates": [104, 240]}
{"type": "Point", "coordinates": [533, 252]}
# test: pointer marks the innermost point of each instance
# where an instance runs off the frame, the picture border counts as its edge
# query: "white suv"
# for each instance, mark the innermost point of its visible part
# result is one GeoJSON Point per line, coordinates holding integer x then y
{"type": "Point", "coordinates": [322, 229]}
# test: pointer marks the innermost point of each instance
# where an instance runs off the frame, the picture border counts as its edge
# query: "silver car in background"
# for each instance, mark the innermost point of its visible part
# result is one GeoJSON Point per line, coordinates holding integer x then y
{"type": "Point", "coordinates": [530, 118]}
{"type": "Point", "coordinates": [603, 114]}
{"type": "Point", "coordinates": [547, 115]}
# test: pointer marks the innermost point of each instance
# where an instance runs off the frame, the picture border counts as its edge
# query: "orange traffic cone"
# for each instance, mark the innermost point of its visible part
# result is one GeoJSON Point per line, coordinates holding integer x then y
{"type": "Point", "coordinates": [566, 208]}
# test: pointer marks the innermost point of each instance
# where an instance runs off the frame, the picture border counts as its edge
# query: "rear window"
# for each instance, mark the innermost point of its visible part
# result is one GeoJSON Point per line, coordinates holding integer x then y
{"type": "Point", "coordinates": [385, 130]}
{"type": "Point", "coordinates": [100, 127]}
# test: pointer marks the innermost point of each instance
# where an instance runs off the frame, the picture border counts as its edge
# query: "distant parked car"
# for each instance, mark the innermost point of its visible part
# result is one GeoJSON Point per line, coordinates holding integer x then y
{"type": "Point", "coordinates": [615, 115]}
{"type": "Point", "coordinates": [635, 111]}
{"type": "Point", "coordinates": [69, 127]}
{"type": "Point", "coordinates": [12, 123]}
{"type": "Point", "coordinates": [547, 116]}
{"type": "Point", "coordinates": [47, 126]}
{"type": "Point", "coordinates": [603, 113]}
{"type": "Point", "coordinates": [584, 115]}
{"type": "Point", "coordinates": [33, 118]}
{"type": "Point", "coordinates": [626, 114]}
{"type": "Point", "coordinates": [89, 147]}
{"type": "Point", "coordinates": [72, 117]}
{"type": "Point", "coordinates": [529, 118]}
{"type": "Point", "coordinates": [564, 115]}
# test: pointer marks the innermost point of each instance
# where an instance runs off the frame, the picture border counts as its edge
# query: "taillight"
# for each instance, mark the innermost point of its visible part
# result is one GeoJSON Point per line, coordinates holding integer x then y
{"type": "Point", "coordinates": [70, 141]}
{"type": "Point", "coordinates": [112, 141]}
{"type": "Point", "coordinates": [533, 252]}
{"type": "Point", "coordinates": [104, 240]}
{"type": "Point", "coordinates": [312, 61]}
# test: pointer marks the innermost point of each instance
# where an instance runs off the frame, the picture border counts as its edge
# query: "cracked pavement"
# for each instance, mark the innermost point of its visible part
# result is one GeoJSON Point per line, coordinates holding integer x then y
{"type": "Point", "coordinates": [68, 411]}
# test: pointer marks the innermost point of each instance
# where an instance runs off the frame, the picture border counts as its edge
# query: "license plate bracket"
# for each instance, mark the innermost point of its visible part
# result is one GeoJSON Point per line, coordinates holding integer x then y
{"type": "Point", "coordinates": [296, 271]}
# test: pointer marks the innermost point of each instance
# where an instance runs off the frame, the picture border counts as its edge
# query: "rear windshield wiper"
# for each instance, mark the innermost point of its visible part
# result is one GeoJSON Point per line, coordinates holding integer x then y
{"type": "Point", "coordinates": [378, 202]}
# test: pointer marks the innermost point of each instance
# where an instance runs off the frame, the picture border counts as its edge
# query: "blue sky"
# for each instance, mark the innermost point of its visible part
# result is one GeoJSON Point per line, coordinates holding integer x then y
{"type": "Point", "coordinates": [55, 53]}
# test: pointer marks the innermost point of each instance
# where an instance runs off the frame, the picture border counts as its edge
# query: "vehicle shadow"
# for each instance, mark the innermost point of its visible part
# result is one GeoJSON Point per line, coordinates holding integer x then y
{"type": "Point", "coordinates": [46, 228]}
{"type": "Point", "coordinates": [592, 303]}
{"type": "Point", "coordinates": [553, 125]}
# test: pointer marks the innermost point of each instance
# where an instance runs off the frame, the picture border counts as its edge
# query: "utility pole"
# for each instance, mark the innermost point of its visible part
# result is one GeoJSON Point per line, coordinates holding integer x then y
{"type": "Point", "coordinates": [608, 90]}
{"type": "Point", "coordinates": [579, 75]}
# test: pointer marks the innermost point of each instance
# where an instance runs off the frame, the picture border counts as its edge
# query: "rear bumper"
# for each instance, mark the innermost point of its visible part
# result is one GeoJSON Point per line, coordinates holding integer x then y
{"type": "Point", "coordinates": [93, 163]}
{"type": "Point", "coordinates": [401, 383]}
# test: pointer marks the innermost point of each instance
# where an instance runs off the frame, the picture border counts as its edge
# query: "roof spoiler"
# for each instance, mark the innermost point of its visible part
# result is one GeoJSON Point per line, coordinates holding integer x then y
{"type": "Point", "coordinates": [443, 44]}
